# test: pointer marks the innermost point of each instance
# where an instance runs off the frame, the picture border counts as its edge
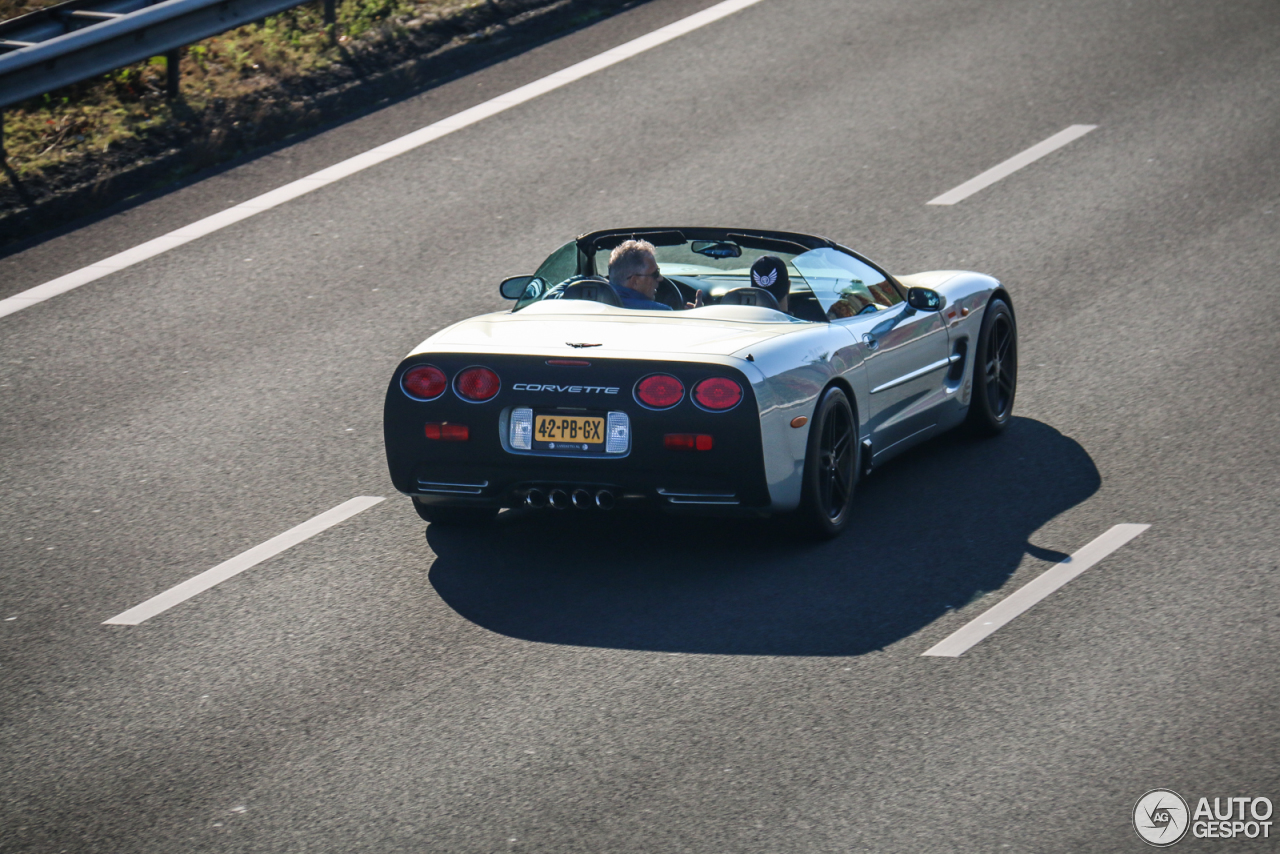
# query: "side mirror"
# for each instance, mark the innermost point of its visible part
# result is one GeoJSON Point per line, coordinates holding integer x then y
{"type": "Point", "coordinates": [516, 287]}
{"type": "Point", "coordinates": [924, 299]}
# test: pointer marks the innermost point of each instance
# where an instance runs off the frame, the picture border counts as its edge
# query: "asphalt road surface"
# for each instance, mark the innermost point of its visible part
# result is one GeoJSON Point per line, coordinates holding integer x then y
{"type": "Point", "coordinates": [579, 683]}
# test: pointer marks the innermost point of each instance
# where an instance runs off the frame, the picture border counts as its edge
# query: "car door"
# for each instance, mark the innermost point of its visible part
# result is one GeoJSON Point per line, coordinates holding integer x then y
{"type": "Point", "coordinates": [906, 353]}
{"type": "Point", "coordinates": [906, 350]}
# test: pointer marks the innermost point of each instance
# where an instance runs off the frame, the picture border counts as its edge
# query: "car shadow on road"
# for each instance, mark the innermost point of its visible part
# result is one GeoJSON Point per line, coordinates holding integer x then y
{"type": "Point", "coordinates": [947, 523]}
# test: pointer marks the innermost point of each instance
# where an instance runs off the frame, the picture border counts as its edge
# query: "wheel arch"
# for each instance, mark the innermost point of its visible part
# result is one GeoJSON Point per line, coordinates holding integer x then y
{"type": "Point", "coordinates": [1001, 294]}
{"type": "Point", "coordinates": [843, 384]}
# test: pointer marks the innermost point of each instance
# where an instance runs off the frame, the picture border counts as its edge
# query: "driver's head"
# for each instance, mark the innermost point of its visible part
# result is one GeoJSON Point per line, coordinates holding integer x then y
{"type": "Point", "coordinates": [770, 273]}
{"type": "Point", "coordinates": [633, 265]}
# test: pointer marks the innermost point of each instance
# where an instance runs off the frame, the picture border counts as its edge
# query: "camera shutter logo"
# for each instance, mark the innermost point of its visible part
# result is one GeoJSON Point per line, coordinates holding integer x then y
{"type": "Point", "coordinates": [1161, 817]}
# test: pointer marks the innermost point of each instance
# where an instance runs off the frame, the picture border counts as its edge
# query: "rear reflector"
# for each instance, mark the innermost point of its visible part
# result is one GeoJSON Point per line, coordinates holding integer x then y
{"type": "Point", "coordinates": [717, 394]}
{"type": "Point", "coordinates": [447, 432]}
{"type": "Point", "coordinates": [425, 382]}
{"type": "Point", "coordinates": [477, 384]}
{"type": "Point", "coordinates": [688, 442]}
{"type": "Point", "coordinates": [521, 435]}
{"type": "Point", "coordinates": [619, 433]}
{"type": "Point", "coordinates": [659, 391]}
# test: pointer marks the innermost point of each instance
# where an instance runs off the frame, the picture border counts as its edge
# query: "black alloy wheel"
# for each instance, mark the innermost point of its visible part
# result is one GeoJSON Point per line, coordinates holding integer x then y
{"type": "Point", "coordinates": [995, 371]}
{"type": "Point", "coordinates": [831, 465]}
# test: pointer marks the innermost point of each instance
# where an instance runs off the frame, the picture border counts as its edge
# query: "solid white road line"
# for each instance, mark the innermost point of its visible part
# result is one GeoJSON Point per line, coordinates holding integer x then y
{"type": "Point", "coordinates": [1032, 592]}
{"type": "Point", "coordinates": [1013, 164]}
{"type": "Point", "coordinates": [372, 157]}
{"type": "Point", "coordinates": [241, 562]}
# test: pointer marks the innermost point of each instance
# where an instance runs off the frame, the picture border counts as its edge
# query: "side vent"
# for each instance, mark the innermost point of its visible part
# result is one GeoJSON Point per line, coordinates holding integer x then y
{"type": "Point", "coordinates": [957, 361]}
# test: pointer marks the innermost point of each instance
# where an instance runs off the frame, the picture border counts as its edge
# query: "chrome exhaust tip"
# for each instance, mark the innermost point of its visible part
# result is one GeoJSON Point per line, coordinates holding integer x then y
{"type": "Point", "coordinates": [581, 499]}
{"type": "Point", "coordinates": [604, 499]}
{"type": "Point", "coordinates": [536, 499]}
{"type": "Point", "coordinates": [559, 499]}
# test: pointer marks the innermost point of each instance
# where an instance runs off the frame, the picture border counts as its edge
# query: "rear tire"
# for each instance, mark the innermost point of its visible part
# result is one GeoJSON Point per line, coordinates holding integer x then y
{"type": "Point", "coordinates": [455, 517]}
{"type": "Point", "coordinates": [831, 466]}
{"type": "Point", "coordinates": [995, 372]}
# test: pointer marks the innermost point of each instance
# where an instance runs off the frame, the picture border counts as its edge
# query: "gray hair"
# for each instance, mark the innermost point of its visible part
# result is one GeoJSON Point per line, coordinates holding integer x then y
{"type": "Point", "coordinates": [627, 259]}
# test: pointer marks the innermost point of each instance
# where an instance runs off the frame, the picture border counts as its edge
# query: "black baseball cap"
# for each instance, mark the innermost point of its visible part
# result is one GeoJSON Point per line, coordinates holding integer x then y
{"type": "Point", "coordinates": [769, 272]}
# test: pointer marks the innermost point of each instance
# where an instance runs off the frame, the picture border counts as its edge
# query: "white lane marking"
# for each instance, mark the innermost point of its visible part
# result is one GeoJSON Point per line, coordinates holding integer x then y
{"type": "Point", "coordinates": [1033, 591]}
{"type": "Point", "coordinates": [241, 562]}
{"type": "Point", "coordinates": [372, 157]}
{"type": "Point", "coordinates": [1013, 164]}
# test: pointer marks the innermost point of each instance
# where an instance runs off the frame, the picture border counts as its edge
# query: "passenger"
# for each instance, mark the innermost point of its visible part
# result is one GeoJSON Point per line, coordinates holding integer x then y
{"type": "Point", "coordinates": [769, 273]}
{"type": "Point", "coordinates": [851, 303]}
{"type": "Point", "coordinates": [633, 272]}
{"type": "Point", "coordinates": [839, 310]}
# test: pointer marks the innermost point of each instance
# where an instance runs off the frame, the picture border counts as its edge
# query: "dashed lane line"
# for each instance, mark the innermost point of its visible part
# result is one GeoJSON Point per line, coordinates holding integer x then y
{"type": "Point", "coordinates": [372, 157]}
{"type": "Point", "coordinates": [1013, 164]}
{"type": "Point", "coordinates": [245, 560]}
{"type": "Point", "coordinates": [1033, 591]}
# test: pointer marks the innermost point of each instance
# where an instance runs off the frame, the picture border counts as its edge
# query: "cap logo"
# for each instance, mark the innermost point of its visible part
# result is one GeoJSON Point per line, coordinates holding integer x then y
{"type": "Point", "coordinates": [764, 281]}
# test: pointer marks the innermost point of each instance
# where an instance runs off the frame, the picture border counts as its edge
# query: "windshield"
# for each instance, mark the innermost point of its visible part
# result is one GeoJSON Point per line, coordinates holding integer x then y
{"type": "Point", "coordinates": [826, 283]}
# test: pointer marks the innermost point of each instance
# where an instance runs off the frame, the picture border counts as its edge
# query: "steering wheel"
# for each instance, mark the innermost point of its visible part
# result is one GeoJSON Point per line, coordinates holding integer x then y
{"type": "Point", "coordinates": [668, 294]}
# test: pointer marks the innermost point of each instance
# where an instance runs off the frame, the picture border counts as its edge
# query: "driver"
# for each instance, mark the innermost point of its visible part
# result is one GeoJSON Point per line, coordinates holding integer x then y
{"type": "Point", "coordinates": [633, 272]}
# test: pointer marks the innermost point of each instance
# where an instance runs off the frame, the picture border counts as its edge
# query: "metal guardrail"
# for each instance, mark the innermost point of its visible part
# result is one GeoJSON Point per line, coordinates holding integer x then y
{"type": "Point", "coordinates": [59, 19]}
{"type": "Point", "coordinates": [80, 39]}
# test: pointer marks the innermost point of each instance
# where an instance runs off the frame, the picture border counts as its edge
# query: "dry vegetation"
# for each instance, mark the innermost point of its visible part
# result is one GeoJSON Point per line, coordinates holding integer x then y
{"type": "Point", "coordinates": [129, 104]}
{"type": "Point", "coordinates": [14, 8]}
{"type": "Point", "coordinates": [238, 90]}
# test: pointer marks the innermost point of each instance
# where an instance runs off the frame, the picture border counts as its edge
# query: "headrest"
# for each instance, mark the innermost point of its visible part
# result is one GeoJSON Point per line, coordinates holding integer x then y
{"type": "Point", "coordinates": [770, 273]}
{"type": "Point", "coordinates": [596, 289]}
{"type": "Point", "coordinates": [750, 296]}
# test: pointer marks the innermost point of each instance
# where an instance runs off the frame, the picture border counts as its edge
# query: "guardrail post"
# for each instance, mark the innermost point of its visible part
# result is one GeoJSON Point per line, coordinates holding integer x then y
{"type": "Point", "coordinates": [8, 170]}
{"type": "Point", "coordinates": [173, 69]}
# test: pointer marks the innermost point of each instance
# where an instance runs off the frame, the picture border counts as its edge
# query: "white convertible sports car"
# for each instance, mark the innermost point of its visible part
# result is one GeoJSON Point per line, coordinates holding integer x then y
{"type": "Point", "coordinates": [572, 400]}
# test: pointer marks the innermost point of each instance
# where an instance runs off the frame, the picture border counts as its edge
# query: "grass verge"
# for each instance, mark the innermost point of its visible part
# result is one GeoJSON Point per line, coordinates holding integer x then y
{"type": "Point", "coordinates": [74, 149]}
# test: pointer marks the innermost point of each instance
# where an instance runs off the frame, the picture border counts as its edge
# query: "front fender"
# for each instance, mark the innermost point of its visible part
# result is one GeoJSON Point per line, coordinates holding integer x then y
{"type": "Point", "coordinates": [965, 296]}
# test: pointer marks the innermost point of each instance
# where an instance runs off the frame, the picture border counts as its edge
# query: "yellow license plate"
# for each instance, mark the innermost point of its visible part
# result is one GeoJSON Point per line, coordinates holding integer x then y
{"type": "Point", "coordinates": [568, 428]}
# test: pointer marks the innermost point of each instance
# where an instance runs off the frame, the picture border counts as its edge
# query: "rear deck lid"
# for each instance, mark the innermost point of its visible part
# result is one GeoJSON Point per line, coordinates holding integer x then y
{"type": "Point", "coordinates": [602, 329]}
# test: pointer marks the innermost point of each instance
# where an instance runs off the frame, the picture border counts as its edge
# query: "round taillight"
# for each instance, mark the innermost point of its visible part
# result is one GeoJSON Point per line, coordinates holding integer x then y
{"type": "Point", "coordinates": [477, 384]}
{"type": "Point", "coordinates": [717, 394]}
{"type": "Point", "coordinates": [659, 391]}
{"type": "Point", "coordinates": [425, 382]}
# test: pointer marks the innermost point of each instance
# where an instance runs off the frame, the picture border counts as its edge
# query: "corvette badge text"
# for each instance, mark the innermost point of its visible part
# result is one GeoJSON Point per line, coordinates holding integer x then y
{"type": "Point", "coordinates": [1162, 817]}
{"type": "Point", "coordinates": [572, 389]}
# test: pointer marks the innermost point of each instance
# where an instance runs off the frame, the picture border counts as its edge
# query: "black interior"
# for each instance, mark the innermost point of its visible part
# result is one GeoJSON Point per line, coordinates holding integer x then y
{"type": "Point", "coordinates": [596, 289]}
{"type": "Point", "coordinates": [750, 296]}
{"type": "Point", "coordinates": [805, 306]}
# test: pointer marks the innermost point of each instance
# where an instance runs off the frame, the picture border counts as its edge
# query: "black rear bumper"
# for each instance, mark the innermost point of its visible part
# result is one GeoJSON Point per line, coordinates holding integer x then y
{"type": "Point", "coordinates": [485, 472]}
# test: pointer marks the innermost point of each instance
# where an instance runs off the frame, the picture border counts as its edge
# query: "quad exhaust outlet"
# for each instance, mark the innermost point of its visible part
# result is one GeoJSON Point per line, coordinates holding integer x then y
{"type": "Point", "coordinates": [563, 499]}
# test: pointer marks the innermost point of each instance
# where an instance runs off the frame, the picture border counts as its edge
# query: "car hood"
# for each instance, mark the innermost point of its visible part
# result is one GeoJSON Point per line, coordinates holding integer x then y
{"type": "Point", "coordinates": [552, 328]}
